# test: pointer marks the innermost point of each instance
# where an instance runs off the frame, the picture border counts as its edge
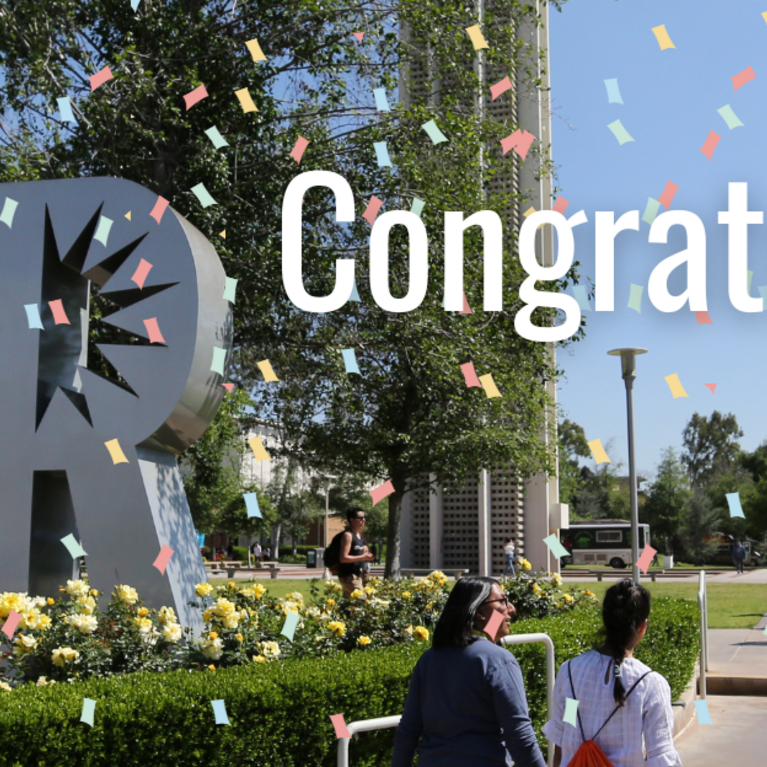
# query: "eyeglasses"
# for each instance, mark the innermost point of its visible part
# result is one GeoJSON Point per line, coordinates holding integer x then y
{"type": "Point", "coordinates": [504, 601]}
{"type": "Point", "coordinates": [359, 519]}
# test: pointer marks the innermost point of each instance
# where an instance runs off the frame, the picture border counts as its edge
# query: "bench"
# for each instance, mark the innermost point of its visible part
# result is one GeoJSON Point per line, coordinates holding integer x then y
{"type": "Point", "coordinates": [272, 569]}
{"type": "Point", "coordinates": [624, 573]}
{"type": "Point", "coordinates": [413, 572]}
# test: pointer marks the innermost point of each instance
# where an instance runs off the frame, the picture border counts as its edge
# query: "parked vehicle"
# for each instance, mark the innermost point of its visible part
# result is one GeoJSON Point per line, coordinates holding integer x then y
{"type": "Point", "coordinates": [723, 553]}
{"type": "Point", "coordinates": [601, 542]}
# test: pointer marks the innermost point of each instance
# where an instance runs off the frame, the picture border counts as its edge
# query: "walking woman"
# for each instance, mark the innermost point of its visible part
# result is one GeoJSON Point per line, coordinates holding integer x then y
{"type": "Point", "coordinates": [508, 550]}
{"type": "Point", "coordinates": [466, 703]}
{"type": "Point", "coordinates": [620, 700]}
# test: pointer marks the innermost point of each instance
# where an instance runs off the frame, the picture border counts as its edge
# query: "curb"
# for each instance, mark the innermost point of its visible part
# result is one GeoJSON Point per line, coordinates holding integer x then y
{"type": "Point", "coordinates": [684, 707]}
{"type": "Point", "coordinates": [736, 685]}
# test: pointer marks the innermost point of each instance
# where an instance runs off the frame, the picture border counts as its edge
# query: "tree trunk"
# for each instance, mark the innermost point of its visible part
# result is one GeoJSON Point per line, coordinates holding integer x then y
{"type": "Point", "coordinates": [276, 541]}
{"type": "Point", "coordinates": [392, 569]}
{"type": "Point", "coordinates": [295, 550]}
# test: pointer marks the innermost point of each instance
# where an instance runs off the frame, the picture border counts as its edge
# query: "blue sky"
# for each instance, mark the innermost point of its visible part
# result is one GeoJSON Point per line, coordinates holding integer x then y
{"type": "Point", "coordinates": [671, 99]}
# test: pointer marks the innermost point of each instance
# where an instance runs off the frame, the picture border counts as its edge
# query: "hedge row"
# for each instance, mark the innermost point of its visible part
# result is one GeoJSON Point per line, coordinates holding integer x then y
{"type": "Point", "coordinates": [279, 712]}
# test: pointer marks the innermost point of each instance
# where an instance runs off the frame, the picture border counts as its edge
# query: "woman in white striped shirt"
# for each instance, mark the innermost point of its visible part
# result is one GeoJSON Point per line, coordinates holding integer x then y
{"type": "Point", "coordinates": [623, 706]}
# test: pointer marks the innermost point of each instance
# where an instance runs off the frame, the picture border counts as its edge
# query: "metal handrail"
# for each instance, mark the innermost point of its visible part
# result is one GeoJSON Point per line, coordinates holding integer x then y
{"type": "Point", "coordinates": [703, 607]}
{"type": "Point", "coordinates": [385, 722]}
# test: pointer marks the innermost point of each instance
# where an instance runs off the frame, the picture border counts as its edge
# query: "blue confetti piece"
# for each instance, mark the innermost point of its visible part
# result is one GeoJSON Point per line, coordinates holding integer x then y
{"type": "Point", "coordinates": [733, 501]}
{"type": "Point", "coordinates": [65, 110]}
{"type": "Point", "coordinates": [613, 93]}
{"type": "Point", "coordinates": [33, 317]}
{"type": "Point", "coordinates": [382, 154]}
{"type": "Point", "coordinates": [382, 103]}
{"type": "Point", "coordinates": [350, 361]}
{"type": "Point", "coordinates": [219, 709]}
{"type": "Point", "coordinates": [355, 296]}
{"type": "Point", "coordinates": [134, 4]}
{"type": "Point", "coordinates": [704, 716]}
{"type": "Point", "coordinates": [251, 504]}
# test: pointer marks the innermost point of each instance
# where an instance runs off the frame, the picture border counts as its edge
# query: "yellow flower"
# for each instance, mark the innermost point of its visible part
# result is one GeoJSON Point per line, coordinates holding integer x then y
{"type": "Point", "coordinates": [211, 667]}
{"type": "Point", "coordinates": [144, 625]}
{"type": "Point", "coordinates": [259, 659]}
{"type": "Point", "coordinates": [203, 589]}
{"type": "Point", "coordinates": [357, 594]}
{"type": "Point", "coordinates": [568, 598]}
{"type": "Point", "coordinates": [525, 565]}
{"type": "Point", "coordinates": [127, 595]}
{"type": "Point", "coordinates": [171, 632]}
{"type": "Point", "coordinates": [331, 602]}
{"type": "Point", "coordinates": [50, 601]}
{"type": "Point", "coordinates": [44, 681]}
{"type": "Point", "coordinates": [430, 605]}
{"type": "Point", "coordinates": [535, 588]}
{"type": "Point", "coordinates": [258, 591]}
{"type": "Point", "coordinates": [78, 588]}
{"type": "Point", "coordinates": [94, 593]}
{"type": "Point", "coordinates": [62, 655]}
{"type": "Point", "coordinates": [44, 622]}
{"type": "Point", "coordinates": [437, 577]}
{"type": "Point", "coordinates": [421, 633]}
{"type": "Point", "coordinates": [269, 649]}
{"type": "Point", "coordinates": [556, 580]}
{"type": "Point", "coordinates": [364, 641]}
{"type": "Point", "coordinates": [143, 612]}
{"type": "Point", "coordinates": [213, 635]}
{"type": "Point", "coordinates": [295, 596]}
{"type": "Point", "coordinates": [86, 605]}
{"type": "Point", "coordinates": [337, 627]}
{"type": "Point", "coordinates": [166, 615]}
{"type": "Point", "coordinates": [212, 648]}
{"type": "Point", "coordinates": [86, 624]}
{"type": "Point", "coordinates": [232, 586]}
{"type": "Point", "coordinates": [11, 601]}
{"type": "Point", "coordinates": [239, 637]}
{"type": "Point", "coordinates": [590, 594]}
{"type": "Point", "coordinates": [406, 595]}
{"type": "Point", "coordinates": [6, 686]}
{"type": "Point", "coordinates": [333, 586]}
{"type": "Point", "coordinates": [24, 644]}
{"type": "Point", "coordinates": [369, 590]}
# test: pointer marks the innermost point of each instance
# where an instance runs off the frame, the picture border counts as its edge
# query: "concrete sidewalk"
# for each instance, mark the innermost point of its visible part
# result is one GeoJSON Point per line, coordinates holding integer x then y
{"type": "Point", "coordinates": [737, 661]}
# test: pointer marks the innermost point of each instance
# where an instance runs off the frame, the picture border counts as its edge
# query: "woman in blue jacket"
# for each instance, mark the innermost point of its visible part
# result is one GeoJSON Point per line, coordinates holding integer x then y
{"type": "Point", "coordinates": [466, 704]}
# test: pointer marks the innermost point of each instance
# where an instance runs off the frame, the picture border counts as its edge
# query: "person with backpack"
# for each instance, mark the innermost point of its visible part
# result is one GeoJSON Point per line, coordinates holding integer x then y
{"type": "Point", "coordinates": [738, 556]}
{"type": "Point", "coordinates": [620, 700]}
{"type": "Point", "coordinates": [347, 552]}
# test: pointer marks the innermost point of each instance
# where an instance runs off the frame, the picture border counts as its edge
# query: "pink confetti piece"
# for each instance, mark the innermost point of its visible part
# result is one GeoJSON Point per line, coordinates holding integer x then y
{"type": "Point", "coordinates": [228, 386]}
{"type": "Point", "coordinates": [668, 194]}
{"type": "Point", "coordinates": [153, 329]}
{"type": "Point", "coordinates": [166, 552]}
{"type": "Point", "coordinates": [342, 731]}
{"type": "Point", "coordinates": [59, 315]}
{"type": "Point", "coordinates": [466, 308]}
{"type": "Point", "coordinates": [560, 206]}
{"type": "Point", "coordinates": [372, 210]}
{"type": "Point", "coordinates": [703, 318]}
{"type": "Point", "coordinates": [710, 145]}
{"type": "Point", "coordinates": [380, 492]}
{"type": "Point", "coordinates": [11, 623]}
{"type": "Point", "coordinates": [644, 561]}
{"type": "Point", "coordinates": [100, 78]}
{"type": "Point", "coordinates": [358, 35]}
{"type": "Point", "coordinates": [470, 375]}
{"type": "Point", "coordinates": [198, 94]}
{"type": "Point", "coordinates": [159, 209]}
{"type": "Point", "coordinates": [492, 626]}
{"type": "Point", "coordinates": [142, 270]}
{"type": "Point", "coordinates": [297, 152]}
{"type": "Point", "coordinates": [500, 87]}
{"type": "Point", "coordinates": [743, 77]}
{"type": "Point", "coordinates": [712, 387]}
{"type": "Point", "coordinates": [520, 141]}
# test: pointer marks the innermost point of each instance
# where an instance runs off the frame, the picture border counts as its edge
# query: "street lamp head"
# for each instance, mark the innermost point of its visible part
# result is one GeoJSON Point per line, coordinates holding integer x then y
{"type": "Point", "coordinates": [628, 360]}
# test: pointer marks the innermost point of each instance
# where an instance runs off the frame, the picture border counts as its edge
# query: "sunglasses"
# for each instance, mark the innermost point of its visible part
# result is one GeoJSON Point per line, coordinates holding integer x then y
{"type": "Point", "coordinates": [503, 600]}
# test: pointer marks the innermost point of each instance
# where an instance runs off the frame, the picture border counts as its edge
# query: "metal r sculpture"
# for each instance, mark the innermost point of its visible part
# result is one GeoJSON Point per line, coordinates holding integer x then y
{"type": "Point", "coordinates": [68, 389]}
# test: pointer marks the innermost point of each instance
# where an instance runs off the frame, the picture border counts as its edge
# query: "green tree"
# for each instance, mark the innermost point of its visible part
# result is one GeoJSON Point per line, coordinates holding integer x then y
{"type": "Point", "coordinates": [667, 500]}
{"type": "Point", "coordinates": [700, 521]}
{"type": "Point", "coordinates": [709, 444]}
{"type": "Point", "coordinates": [572, 446]}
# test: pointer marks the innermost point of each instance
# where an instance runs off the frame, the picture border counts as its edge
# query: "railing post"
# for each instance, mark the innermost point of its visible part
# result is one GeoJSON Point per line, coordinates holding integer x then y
{"type": "Point", "coordinates": [703, 607]}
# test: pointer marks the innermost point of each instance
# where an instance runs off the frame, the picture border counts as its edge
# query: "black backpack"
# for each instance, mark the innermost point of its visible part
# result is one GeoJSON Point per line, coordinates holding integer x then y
{"type": "Point", "coordinates": [333, 553]}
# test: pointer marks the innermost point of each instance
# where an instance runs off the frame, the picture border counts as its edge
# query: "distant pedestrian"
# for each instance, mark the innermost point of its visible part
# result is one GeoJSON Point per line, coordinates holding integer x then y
{"type": "Point", "coordinates": [509, 550]}
{"type": "Point", "coordinates": [738, 556]}
{"type": "Point", "coordinates": [353, 552]}
{"type": "Point", "coordinates": [267, 553]}
{"type": "Point", "coordinates": [255, 550]}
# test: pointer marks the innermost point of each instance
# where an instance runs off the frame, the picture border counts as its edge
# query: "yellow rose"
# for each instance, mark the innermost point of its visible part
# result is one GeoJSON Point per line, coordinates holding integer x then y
{"type": "Point", "coordinates": [78, 588]}
{"type": "Point", "coordinates": [144, 625]}
{"type": "Point", "coordinates": [406, 595]}
{"type": "Point", "coordinates": [269, 649]}
{"type": "Point", "coordinates": [258, 591]}
{"type": "Point", "coordinates": [239, 637]}
{"type": "Point", "coordinates": [357, 594]}
{"type": "Point", "coordinates": [337, 627]}
{"type": "Point", "coordinates": [203, 589]}
{"type": "Point", "coordinates": [87, 605]}
{"type": "Point", "coordinates": [525, 565]}
{"type": "Point", "coordinates": [143, 612]}
{"type": "Point", "coordinates": [11, 601]}
{"type": "Point", "coordinates": [166, 615]}
{"type": "Point", "coordinates": [86, 624]}
{"type": "Point", "coordinates": [94, 592]}
{"type": "Point", "coordinates": [331, 602]}
{"type": "Point", "coordinates": [6, 686]}
{"type": "Point", "coordinates": [24, 644]}
{"type": "Point", "coordinates": [50, 601]}
{"type": "Point", "coordinates": [127, 595]}
{"type": "Point", "coordinates": [568, 598]}
{"type": "Point", "coordinates": [556, 581]}
{"type": "Point", "coordinates": [369, 590]}
{"type": "Point", "coordinates": [259, 659]}
{"type": "Point", "coordinates": [421, 633]}
{"type": "Point", "coordinates": [62, 655]}
{"type": "Point", "coordinates": [211, 667]}
{"type": "Point", "coordinates": [535, 588]}
{"type": "Point", "coordinates": [213, 635]}
{"type": "Point", "coordinates": [295, 596]}
{"type": "Point", "coordinates": [44, 622]}
{"type": "Point", "coordinates": [364, 641]}
{"type": "Point", "coordinates": [212, 648]}
{"type": "Point", "coordinates": [171, 632]}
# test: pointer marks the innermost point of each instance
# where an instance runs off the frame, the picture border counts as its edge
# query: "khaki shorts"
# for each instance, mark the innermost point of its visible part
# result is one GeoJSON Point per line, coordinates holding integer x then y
{"type": "Point", "coordinates": [350, 582]}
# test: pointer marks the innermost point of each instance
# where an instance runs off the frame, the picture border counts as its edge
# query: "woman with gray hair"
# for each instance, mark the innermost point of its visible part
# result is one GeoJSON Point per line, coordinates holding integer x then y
{"type": "Point", "coordinates": [466, 704]}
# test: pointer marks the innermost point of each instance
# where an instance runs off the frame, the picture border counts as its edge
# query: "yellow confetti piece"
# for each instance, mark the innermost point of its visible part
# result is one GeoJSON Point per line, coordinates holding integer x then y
{"type": "Point", "coordinates": [223, 234]}
{"type": "Point", "coordinates": [258, 449]}
{"type": "Point", "coordinates": [529, 211]}
{"type": "Point", "coordinates": [477, 40]}
{"type": "Point", "coordinates": [676, 386]}
{"type": "Point", "coordinates": [662, 36]}
{"type": "Point", "coordinates": [489, 386]}
{"type": "Point", "coordinates": [255, 50]}
{"type": "Point", "coordinates": [764, 16]}
{"type": "Point", "coordinates": [245, 100]}
{"type": "Point", "coordinates": [600, 456]}
{"type": "Point", "coordinates": [127, 215]}
{"type": "Point", "coordinates": [113, 446]}
{"type": "Point", "coordinates": [266, 369]}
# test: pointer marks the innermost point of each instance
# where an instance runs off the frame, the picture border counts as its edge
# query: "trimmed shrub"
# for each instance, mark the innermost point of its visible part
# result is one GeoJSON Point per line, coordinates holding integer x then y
{"type": "Point", "coordinates": [280, 712]}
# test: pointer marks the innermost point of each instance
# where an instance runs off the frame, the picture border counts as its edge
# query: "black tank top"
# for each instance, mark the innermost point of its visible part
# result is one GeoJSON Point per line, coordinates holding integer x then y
{"type": "Point", "coordinates": [357, 548]}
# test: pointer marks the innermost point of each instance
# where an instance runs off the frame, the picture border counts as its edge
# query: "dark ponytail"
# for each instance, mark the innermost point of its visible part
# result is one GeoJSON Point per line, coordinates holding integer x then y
{"type": "Point", "coordinates": [625, 608]}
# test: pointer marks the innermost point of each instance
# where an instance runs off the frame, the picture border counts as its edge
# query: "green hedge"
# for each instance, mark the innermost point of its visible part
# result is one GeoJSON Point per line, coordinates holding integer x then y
{"type": "Point", "coordinates": [280, 712]}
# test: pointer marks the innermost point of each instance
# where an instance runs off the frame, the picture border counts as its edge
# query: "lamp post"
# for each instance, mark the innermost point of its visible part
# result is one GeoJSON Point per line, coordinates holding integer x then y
{"type": "Point", "coordinates": [628, 365]}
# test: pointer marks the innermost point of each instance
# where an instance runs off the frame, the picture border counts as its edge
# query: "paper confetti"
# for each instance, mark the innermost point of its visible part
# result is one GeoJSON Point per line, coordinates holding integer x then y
{"type": "Point", "coordinates": [350, 361]}
{"type": "Point", "coordinates": [140, 275]}
{"type": "Point", "coordinates": [648, 552]}
{"type": "Point", "coordinates": [701, 709]}
{"type": "Point", "coordinates": [159, 209]}
{"type": "Point", "coordinates": [251, 504]}
{"type": "Point", "coordinates": [9, 208]}
{"type": "Point", "coordinates": [380, 492]}
{"type": "Point", "coordinates": [600, 456]}
{"type": "Point", "coordinates": [134, 4]}
{"type": "Point", "coordinates": [127, 215]}
{"type": "Point", "coordinates": [153, 331]}
{"type": "Point", "coordinates": [470, 375]}
{"type": "Point", "coordinates": [59, 314]}
{"type": "Point", "coordinates": [89, 708]}
{"type": "Point", "coordinates": [289, 627]}
{"type": "Point", "coordinates": [216, 138]}
{"type": "Point", "coordinates": [493, 624]}
{"type": "Point", "coordinates": [729, 117]}
{"type": "Point", "coordinates": [500, 87]}
{"type": "Point", "coordinates": [746, 76]}
{"type": "Point", "coordinates": [113, 446]}
{"type": "Point", "coordinates": [33, 317]}
{"type": "Point", "coordinates": [228, 386]}
{"type": "Point", "coordinates": [73, 547]}
{"type": "Point", "coordinates": [668, 194]}
{"type": "Point", "coordinates": [382, 103]}
{"type": "Point", "coordinates": [620, 132]}
{"type": "Point", "coordinates": [219, 711]}
{"type": "Point", "coordinates": [342, 731]}
{"type": "Point", "coordinates": [710, 145]}
{"type": "Point", "coordinates": [703, 318]}
{"type": "Point", "coordinates": [662, 36]}
{"type": "Point", "coordinates": [65, 110]}
{"type": "Point", "coordinates": [358, 35]}
{"type": "Point", "coordinates": [466, 308]}
{"type": "Point", "coordinates": [529, 212]}
{"type": "Point", "coordinates": [491, 390]}
{"type": "Point", "coordinates": [372, 210]}
{"type": "Point", "coordinates": [571, 712]}
{"type": "Point", "coordinates": [203, 195]}
{"type": "Point", "coordinates": [434, 133]}
{"type": "Point", "coordinates": [100, 78]}
{"type": "Point", "coordinates": [246, 102]}
{"type": "Point", "coordinates": [520, 141]}
{"type": "Point", "coordinates": [613, 92]}
{"type": "Point", "coordinates": [712, 387]}
{"type": "Point", "coordinates": [555, 547]}
{"type": "Point", "coordinates": [229, 288]}
{"type": "Point", "coordinates": [733, 501]}
{"type": "Point", "coordinates": [382, 154]}
{"type": "Point", "coordinates": [651, 211]}
{"type": "Point", "coordinates": [266, 371]}
{"type": "Point", "coordinates": [219, 360]}
{"type": "Point", "coordinates": [581, 296]}
{"type": "Point", "coordinates": [255, 50]}
{"type": "Point", "coordinates": [677, 390]}
{"type": "Point", "coordinates": [166, 552]}
{"type": "Point", "coordinates": [477, 40]}
{"type": "Point", "coordinates": [11, 624]}
{"type": "Point", "coordinates": [198, 94]}
{"type": "Point", "coordinates": [417, 206]}
{"type": "Point", "coordinates": [297, 152]}
{"type": "Point", "coordinates": [560, 206]}
{"type": "Point", "coordinates": [635, 298]}
{"type": "Point", "coordinates": [102, 230]}
{"type": "Point", "coordinates": [355, 296]}
{"type": "Point", "coordinates": [259, 451]}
